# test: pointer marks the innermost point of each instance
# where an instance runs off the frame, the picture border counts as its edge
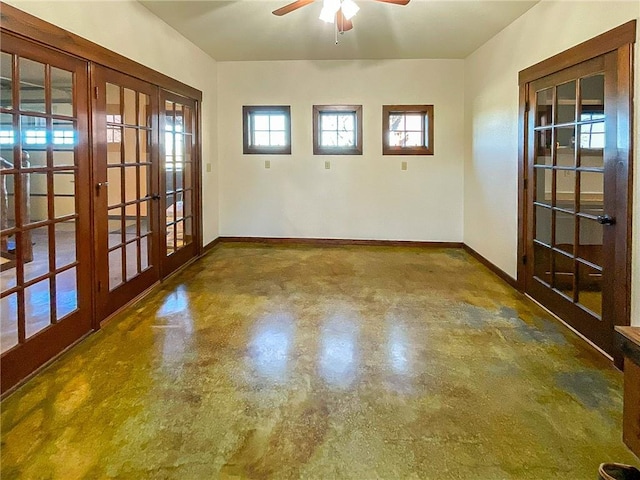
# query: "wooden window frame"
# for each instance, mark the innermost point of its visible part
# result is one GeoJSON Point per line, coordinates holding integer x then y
{"type": "Point", "coordinates": [427, 133]}
{"type": "Point", "coordinates": [247, 147]}
{"type": "Point", "coordinates": [319, 149]}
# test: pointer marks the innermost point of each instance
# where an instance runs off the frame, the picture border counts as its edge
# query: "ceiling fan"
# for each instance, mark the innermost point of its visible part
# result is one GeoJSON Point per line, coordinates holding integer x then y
{"type": "Point", "coordinates": [339, 12]}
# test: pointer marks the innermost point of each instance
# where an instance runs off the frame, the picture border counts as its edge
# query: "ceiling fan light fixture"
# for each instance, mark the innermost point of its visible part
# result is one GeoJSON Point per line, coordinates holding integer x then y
{"type": "Point", "coordinates": [349, 9]}
{"type": "Point", "coordinates": [329, 10]}
{"type": "Point", "coordinates": [327, 15]}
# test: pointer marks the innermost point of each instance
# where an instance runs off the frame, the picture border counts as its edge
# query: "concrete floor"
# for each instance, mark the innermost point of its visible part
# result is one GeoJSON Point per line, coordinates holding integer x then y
{"type": "Point", "coordinates": [338, 362]}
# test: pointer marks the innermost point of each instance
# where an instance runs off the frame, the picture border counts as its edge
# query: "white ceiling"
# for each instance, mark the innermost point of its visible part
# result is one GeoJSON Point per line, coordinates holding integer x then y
{"type": "Point", "coordinates": [246, 29]}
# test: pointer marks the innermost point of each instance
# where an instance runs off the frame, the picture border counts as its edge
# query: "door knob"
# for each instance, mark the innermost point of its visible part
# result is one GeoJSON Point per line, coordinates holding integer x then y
{"type": "Point", "coordinates": [605, 220]}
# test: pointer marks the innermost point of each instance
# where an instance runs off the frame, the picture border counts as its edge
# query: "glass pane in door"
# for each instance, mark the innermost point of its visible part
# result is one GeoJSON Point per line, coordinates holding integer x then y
{"type": "Point", "coordinates": [564, 231]}
{"type": "Point", "coordinates": [590, 288]}
{"type": "Point", "coordinates": [592, 192]}
{"type": "Point", "coordinates": [544, 107]}
{"type": "Point", "coordinates": [566, 102]}
{"type": "Point", "coordinates": [128, 174]}
{"type": "Point", "coordinates": [591, 241]}
{"type": "Point", "coordinates": [565, 146]}
{"type": "Point", "coordinates": [563, 274]}
{"type": "Point", "coordinates": [6, 80]}
{"type": "Point", "coordinates": [178, 169]}
{"type": "Point", "coordinates": [32, 86]}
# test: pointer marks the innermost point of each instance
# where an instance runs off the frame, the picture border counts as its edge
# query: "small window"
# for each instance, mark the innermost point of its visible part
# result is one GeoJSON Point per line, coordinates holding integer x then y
{"type": "Point", "coordinates": [407, 129]}
{"type": "Point", "coordinates": [337, 129]}
{"type": "Point", "coordinates": [267, 129]}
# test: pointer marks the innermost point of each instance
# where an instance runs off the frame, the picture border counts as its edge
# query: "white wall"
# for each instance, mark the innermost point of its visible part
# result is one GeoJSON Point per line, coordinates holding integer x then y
{"type": "Point", "coordinates": [360, 197]}
{"type": "Point", "coordinates": [491, 120]}
{"type": "Point", "coordinates": [128, 28]}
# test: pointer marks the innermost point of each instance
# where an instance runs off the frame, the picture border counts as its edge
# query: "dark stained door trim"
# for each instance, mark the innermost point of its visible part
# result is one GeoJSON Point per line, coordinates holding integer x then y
{"type": "Point", "coordinates": [607, 42]}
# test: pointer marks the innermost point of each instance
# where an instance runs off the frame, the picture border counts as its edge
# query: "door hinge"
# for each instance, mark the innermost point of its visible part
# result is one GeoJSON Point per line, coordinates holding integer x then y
{"type": "Point", "coordinates": [524, 259]}
{"type": "Point", "coordinates": [95, 92]}
{"type": "Point", "coordinates": [526, 106]}
{"type": "Point", "coordinates": [525, 184]}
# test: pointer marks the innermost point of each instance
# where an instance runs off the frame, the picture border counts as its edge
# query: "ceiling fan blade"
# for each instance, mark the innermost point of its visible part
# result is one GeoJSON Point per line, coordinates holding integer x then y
{"type": "Point", "coordinates": [291, 7]}
{"type": "Point", "coordinates": [396, 2]}
{"type": "Point", "coordinates": [343, 24]}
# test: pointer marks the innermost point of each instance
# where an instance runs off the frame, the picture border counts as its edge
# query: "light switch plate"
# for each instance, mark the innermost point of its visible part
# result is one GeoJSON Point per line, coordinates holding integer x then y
{"type": "Point", "coordinates": [267, 164]}
{"type": "Point", "coordinates": [404, 165]}
{"type": "Point", "coordinates": [327, 165]}
{"type": "Point", "coordinates": [208, 167]}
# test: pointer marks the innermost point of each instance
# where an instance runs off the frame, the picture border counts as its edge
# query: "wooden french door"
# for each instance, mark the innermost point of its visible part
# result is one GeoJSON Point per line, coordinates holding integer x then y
{"type": "Point", "coordinates": [179, 173]}
{"type": "Point", "coordinates": [126, 188]}
{"type": "Point", "coordinates": [577, 205]}
{"type": "Point", "coordinates": [45, 253]}
{"type": "Point", "coordinates": [92, 214]}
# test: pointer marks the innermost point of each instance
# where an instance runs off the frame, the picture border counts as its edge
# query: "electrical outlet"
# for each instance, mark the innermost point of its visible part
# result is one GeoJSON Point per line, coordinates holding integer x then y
{"type": "Point", "coordinates": [327, 165]}
{"type": "Point", "coordinates": [208, 167]}
{"type": "Point", "coordinates": [267, 164]}
{"type": "Point", "coordinates": [404, 165]}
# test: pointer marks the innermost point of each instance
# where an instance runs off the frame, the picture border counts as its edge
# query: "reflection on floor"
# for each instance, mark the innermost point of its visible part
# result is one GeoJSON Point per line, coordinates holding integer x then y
{"type": "Point", "coordinates": [270, 362]}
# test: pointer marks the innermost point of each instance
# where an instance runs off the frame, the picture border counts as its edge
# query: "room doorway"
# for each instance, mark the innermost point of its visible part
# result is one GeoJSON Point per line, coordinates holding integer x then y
{"type": "Point", "coordinates": [577, 209]}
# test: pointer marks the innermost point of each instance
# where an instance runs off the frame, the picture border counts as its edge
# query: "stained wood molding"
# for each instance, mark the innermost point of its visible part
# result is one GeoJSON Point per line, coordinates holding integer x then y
{"type": "Point", "coordinates": [491, 266]}
{"type": "Point", "coordinates": [594, 47]}
{"type": "Point", "coordinates": [338, 242]}
{"type": "Point", "coordinates": [210, 246]}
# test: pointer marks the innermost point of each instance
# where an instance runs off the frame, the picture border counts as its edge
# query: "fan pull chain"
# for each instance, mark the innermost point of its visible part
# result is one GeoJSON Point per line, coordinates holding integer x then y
{"type": "Point", "coordinates": [336, 31]}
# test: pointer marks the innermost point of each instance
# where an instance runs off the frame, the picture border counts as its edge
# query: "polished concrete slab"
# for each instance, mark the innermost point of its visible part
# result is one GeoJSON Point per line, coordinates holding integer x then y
{"type": "Point", "coordinates": [338, 362]}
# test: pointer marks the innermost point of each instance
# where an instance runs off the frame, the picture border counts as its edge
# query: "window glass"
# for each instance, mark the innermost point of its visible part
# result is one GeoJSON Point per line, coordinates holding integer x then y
{"type": "Point", "coordinates": [337, 130]}
{"type": "Point", "coordinates": [407, 129]}
{"type": "Point", "coordinates": [267, 130]}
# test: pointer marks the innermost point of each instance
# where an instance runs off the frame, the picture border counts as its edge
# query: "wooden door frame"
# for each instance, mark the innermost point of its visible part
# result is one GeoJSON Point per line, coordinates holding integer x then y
{"type": "Point", "coordinates": [619, 40]}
